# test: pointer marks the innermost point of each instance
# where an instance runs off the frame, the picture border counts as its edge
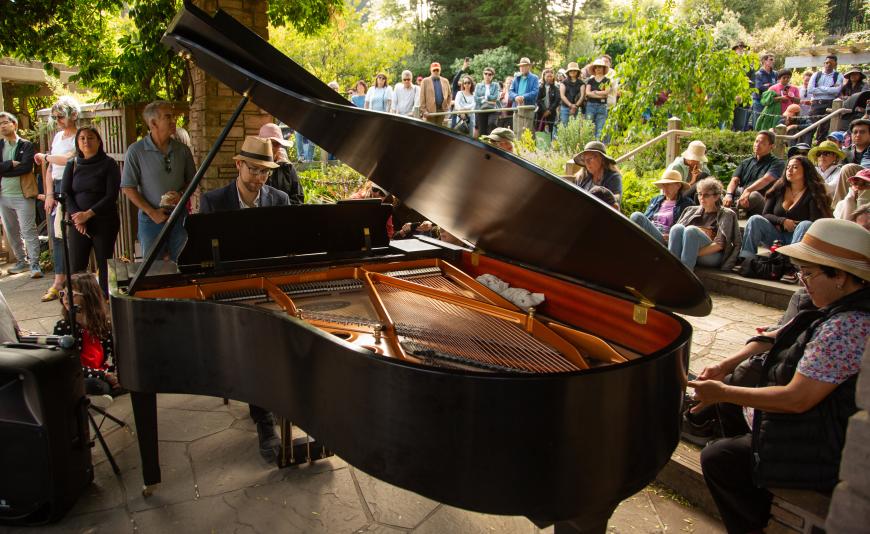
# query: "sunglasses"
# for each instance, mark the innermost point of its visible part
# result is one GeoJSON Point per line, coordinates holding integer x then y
{"type": "Point", "coordinates": [167, 162]}
{"type": "Point", "coordinates": [406, 79]}
{"type": "Point", "coordinates": [487, 74]}
{"type": "Point", "coordinates": [58, 117]}
{"type": "Point", "coordinates": [824, 154]}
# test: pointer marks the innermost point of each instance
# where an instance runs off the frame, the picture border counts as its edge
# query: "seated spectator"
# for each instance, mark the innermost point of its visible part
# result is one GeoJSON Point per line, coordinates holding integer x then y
{"type": "Point", "coordinates": [604, 195]}
{"type": "Point", "coordinates": [502, 138]}
{"type": "Point", "coordinates": [858, 196]}
{"type": "Point", "coordinates": [754, 176]}
{"type": "Point", "coordinates": [861, 216]}
{"type": "Point", "coordinates": [792, 204]}
{"type": "Point", "coordinates": [843, 184]}
{"type": "Point", "coordinates": [785, 428]}
{"type": "Point", "coordinates": [860, 130]}
{"type": "Point", "coordinates": [597, 168]}
{"type": "Point", "coordinates": [93, 334]}
{"type": "Point", "coordinates": [837, 137]}
{"type": "Point", "coordinates": [795, 123]}
{"type": "Point", "coordinates": [800, 149]}
{"type": "Point", "coordinates": [284, 177]}
{"type": "Point", "coordinates": [665, 209]}
{"type": "Point", "coordinates": [373, 190]}
{"type": "Point", "coordinates": [853, 83]}
{"type": "Point", "coordinates": [707, 234]}
{"type": "Point", "coordinates": [425, 228]}
{"type": "Point", "coordinates": [691, 166]}
{"type": "Point", "coordinates": [249, 190]}
{"type": "Point", "coordinates": [827, 158]}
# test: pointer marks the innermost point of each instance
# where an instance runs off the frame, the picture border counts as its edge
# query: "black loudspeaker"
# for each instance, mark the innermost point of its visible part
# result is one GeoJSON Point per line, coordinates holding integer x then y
{"type": "Point", "coordinates": [45, 454]}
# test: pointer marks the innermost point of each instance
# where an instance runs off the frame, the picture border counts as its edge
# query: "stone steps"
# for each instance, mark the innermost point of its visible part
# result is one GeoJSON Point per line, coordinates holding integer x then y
{"type": "Point", "coordinates": [769, 293]}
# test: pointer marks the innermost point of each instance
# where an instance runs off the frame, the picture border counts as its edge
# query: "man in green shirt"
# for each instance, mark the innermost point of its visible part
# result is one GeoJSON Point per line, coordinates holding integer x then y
{"type": "Point", "coordinates": [18, 213]}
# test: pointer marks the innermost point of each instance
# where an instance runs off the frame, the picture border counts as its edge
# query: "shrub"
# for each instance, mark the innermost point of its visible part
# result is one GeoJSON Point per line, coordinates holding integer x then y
{"type": "Point", "coordinates": [501, 59]}
{"type": "Point", "coordinates": [571, 138]}
{"type": "Point", "coordinates": [329, 183]}
{"type": "Point", "coordinates": [638, 190]}
{"type": "Point", "coordinates": [725, 149]}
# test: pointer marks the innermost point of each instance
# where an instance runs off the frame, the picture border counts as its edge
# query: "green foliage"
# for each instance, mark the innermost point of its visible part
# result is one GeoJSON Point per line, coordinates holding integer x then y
{"type": "Point", "coordinates": [782, 38]}
{"type": "Point", "coordinates": [650, 159]}
{"type": "Point", "coordinates": [638, 190]}
{"type": "Point", "coordinates": [501, 59]}
{"type": "Point", "coordinates": [330, 183]}
{"type": "Point", "coordinates": [526, 142]}
{"type": "Point", "coordinates": [728, 30]}
{"type": "Point", "coordinates": [725, 149]}
{"type": "Point", "coordinates": [347, 50]}
{"type": "Point", "coordinates": [571, 138]}
{"type": "Point", "coordinates": [305, 16]}
{"type": "Point", "coordinates": [666, 54]}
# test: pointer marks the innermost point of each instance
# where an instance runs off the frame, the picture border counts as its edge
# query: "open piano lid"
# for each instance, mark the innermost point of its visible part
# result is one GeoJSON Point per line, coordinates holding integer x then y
{"type": "Point", "coordinates": [503, 204]}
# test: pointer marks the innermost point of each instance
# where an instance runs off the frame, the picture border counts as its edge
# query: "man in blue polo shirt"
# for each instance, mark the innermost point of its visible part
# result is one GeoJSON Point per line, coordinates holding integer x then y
{"type": "Point", "coordinates": [157, 168]}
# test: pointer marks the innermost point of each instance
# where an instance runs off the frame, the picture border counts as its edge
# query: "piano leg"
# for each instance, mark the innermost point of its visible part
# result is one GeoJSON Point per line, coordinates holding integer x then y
{"type": "Point", "coordinates": [145, 413]}
{"type": "Point", "coordinates": [584, 525]}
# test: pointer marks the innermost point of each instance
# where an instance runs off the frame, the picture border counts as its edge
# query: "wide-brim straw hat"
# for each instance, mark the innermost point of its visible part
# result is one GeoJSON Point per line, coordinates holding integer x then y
{"type": "Point", "coordinates": [572, 66]}
{"type": "Point", "coordinates": [524, 61]}
{"type": "Point", "coordinates": [598, 63]}
{"type": "Point", "coordinates": [836, 243]}
{"type": "Point", "coordinates": [501, 134]}
{"type": "Point", "coordinates": [825, 146]}
{"type": "Point", "coordinates": [257, 151]}
{"type": "Point", "coordinates": [671, 177]}
{"type": "Point", "coordinates": [593, 146]}
{"type": "Point", "coordinates": [270, 130]}
{"type": "Point", "coordinates": [740, 44]}
{"type": "Point", "coordinates": [856, 71]}
{"type": "Point", "coordinates": [696, 151]}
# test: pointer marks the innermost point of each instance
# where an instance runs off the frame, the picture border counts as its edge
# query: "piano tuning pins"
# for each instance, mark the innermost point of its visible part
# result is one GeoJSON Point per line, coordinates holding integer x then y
{"type": "Point", "coordinates": [378, 332]}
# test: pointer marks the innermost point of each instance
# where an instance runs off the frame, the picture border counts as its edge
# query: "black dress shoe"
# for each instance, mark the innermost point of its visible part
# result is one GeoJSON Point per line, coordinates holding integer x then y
{"type": "Point", "coordinates": [270, 443]}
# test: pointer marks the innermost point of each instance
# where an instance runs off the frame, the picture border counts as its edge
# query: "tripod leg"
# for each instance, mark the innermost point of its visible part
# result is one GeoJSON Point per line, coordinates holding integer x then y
{"type": "Point", "coordinates": [105, 447]}
{"type": "Point", "coordinates": [108, 416]}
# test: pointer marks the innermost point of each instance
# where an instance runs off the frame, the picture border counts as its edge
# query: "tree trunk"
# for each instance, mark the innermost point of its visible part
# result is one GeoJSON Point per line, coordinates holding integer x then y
{"type": "Point", "coordinates": [570, 36]}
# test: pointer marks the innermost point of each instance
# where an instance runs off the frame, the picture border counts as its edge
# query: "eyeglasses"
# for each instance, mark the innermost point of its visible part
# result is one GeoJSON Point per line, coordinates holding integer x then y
{"type": "Point", "coordinates": [4, 123]}
{"type": "Point", "coordinates": [707, 195]}
{"type": "Point", "coordinates": [63, 293]}
{"type": "Point", "coordinates": [257, 171]}
{"type": "Point", "coordinates": [803, 276]}
{"type": "Point", "coordinates": [406, 79]}
{"type": "Point", "coordinates": [167, 162]}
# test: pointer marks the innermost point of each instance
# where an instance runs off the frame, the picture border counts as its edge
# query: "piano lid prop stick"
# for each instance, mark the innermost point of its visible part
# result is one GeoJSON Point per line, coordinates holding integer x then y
{"type": "Point", "coordinates": [182, 204]}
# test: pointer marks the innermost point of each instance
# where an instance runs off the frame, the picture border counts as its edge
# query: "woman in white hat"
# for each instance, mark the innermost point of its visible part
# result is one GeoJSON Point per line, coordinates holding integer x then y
{"type": "Point", "coordinates": [598, 88]}
{"type": "Point", "coordinates": [792, 426]}
{"type": "Point", "coordinates": [664, 210]}
{"type": "Point", "coordinates": [597, 168]}
{"type": "Point", "coordinates": [707, 234]}
{"type": "Point", "coordinates": [692, 166]}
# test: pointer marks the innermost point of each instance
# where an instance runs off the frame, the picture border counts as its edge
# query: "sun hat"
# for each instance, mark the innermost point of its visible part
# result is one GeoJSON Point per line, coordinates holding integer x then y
{"type": "Point", "coordinates": [861, 175]}
{"type": "Point", "coordinates": [599, 63]}
{"type": "Point", "coordinates": [257, 150]}
{"type": "Point", "coordinates": [800, 149]}
{"type": "Point", "coordinates": [572, 66]}
{"type": "Point", "coordinates": [740, 44]}
{"type": "Point", "coordinates": [838, 137]}
{"type": "Point", "coordinates": [270, 130]}
{"type": "Point", "coordinates": [593, 146]}
{"type": "Point", "coordinates": [671, 176]}
{"type": "Point", "coordinates": [855, 71]}
{"type": "Point", "coordinates": [825, 146]}
{"type": "Point", "coordinates": [524, 61]}
{"type": "Point", "coordinates": [500, 134]}
{"type": "Point", "coordinates": [836, 243]}
{"type": "Point", "coordinates": [793, 110]}
{"type": "Point", "coordinates": [696, 151]}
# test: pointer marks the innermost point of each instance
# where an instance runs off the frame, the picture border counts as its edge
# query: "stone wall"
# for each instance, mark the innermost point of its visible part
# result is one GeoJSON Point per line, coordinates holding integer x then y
{"type": "Point", "coordinates": [213, 102]}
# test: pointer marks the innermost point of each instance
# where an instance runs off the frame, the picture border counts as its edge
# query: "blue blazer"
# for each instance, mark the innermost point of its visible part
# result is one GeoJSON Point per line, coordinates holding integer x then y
{"type": "Point", "coordinates": [530, 97]}
{"type": "Point", "coordinates": [227, 198]}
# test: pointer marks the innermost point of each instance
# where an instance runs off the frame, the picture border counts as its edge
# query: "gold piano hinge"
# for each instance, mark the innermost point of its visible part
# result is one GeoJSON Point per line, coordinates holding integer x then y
{"type": "Point", "coordinates": [475, 257]}
{"type": "Point", "coordinates": [215, 253]}
{"type": "Point", "coordinates": [367, 238]}
{"type": "Point", "coordinates": [640, 309]}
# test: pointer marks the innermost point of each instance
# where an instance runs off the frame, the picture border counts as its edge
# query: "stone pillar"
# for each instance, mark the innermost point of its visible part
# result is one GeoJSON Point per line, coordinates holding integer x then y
{"type": "Point", "coordinates": [213, 102]}
{"type": "Point", "coordinates": [779, 147]}
{"type": "Point", "coordinates": [524, 119]}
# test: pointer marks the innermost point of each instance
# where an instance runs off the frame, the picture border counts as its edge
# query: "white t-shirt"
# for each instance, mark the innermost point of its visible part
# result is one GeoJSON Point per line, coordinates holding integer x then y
{"type": "Point", "coordinates": [61, 145]}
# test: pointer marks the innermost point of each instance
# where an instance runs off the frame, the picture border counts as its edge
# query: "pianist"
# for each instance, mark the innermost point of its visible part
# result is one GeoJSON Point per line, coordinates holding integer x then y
{"type": "Point", "coordinates": [249, 190]}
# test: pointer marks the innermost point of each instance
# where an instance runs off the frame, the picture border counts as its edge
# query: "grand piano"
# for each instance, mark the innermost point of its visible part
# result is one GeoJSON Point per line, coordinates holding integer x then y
{"type": "Point", "coordinates": [393, 354]}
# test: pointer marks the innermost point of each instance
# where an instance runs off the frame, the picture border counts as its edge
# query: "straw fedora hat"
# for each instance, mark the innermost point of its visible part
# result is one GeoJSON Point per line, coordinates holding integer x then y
{"type": "Point", "coordinates": [696, 151]}
{"type": "Point", "coordinates": [825, 146]}
{"type": "Point", "coordinates": [671, 177]}
{"type": "Point", "coordinates": [572, 66]}
{"type": "Point", "coordinates": [524, 61]}
{"type": "Point", "coordinates": [593, 146]}
{"type": "Point", "coordinates": [270, 130]}
{"type": "Point", "coordinates": [258, 151]}
{"type": "Point", "coordinates": [836, 243]}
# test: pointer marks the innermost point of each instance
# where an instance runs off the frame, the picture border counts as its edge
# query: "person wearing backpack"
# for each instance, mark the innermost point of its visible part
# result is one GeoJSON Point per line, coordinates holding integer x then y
{"type": "Point", "coordinates": [823, 88]}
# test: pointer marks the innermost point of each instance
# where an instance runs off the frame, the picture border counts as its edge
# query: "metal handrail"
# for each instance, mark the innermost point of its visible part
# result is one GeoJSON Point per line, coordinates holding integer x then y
{"type": "Point", "coordinates": [656, 139]}
{"type": "Point", "coordinates": [469, 111]}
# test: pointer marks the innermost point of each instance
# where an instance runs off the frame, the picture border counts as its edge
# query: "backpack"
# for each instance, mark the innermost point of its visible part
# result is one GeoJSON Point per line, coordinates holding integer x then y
{"type": "Point", "coordinates": [818, 75]}
{"type": "Point", "coordinates": [767, 267]}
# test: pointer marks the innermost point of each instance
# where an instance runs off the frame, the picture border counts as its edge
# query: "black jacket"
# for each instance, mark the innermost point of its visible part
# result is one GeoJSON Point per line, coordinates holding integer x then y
{"type": "Point", "coordinates": [551, 104]}
{"type": "Point", "coordinates": [23, 155]}
{"type": "Point", "coordinates": [284, 178]}
{"type": "Point", "coordinates": [227, 198]}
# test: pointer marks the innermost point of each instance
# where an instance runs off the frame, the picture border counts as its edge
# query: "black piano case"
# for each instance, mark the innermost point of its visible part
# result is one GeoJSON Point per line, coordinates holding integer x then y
{"type": "Point", "coordinates": [45, 455]}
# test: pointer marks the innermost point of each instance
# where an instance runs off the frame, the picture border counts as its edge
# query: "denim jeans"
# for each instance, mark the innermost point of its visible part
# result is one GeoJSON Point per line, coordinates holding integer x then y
{"type": "Point", "coordinates": [640, 219]}
{"type": "Point", "coordinates": [597, 113]}
{"type": "Point", "coordinates": [565, 114]}
{"type": "Point", "coordinates": [304, 148]}
{"type": "Point", "coordinates": [684, 242]}
{"type": "Point", "coordinates": [760, 231]}
{"type": "Point", "coordinates": [149, 230]}
{"type": "Point", "coordinates": [19, 222]}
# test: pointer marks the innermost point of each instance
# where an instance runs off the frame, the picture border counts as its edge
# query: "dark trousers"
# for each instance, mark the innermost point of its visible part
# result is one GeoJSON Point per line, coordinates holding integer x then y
{"type": "Point", "coordinates": [821, 109]}
{"type": "Point", "coordinates": [727, 465]}
{"type": "Point", "coordinates": [102, 233]}
{"type": "Point", "coordinates": [486, 122]}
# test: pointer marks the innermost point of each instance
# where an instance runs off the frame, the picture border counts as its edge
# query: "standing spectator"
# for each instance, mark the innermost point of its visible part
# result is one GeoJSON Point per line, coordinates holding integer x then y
{"type": "Point", "coordinates": [435, 95]}
{"type": "Point", "coordinates": [853, 83]}
{"type": "Point", "coordinates": [358, 97]}
{"type": "Point", "coordinates": [18, 213]}
{"type": "Point", "coordinates": [157, 169]}
{"type": "Point", "coordinates": [524, 88]}
{"type": "Point", "coordinates": [64, 113]}
{"type": "Point", "coordinates": [692, 168]}
{"type": "Point", "coordinates": [860, 130]}
{"type": "Point", "coordinates": [304, 147]}
{"type": "Point", "coordinates": [803, 91]}
{"type": "Point", "coordinates": [486, 97]}
{"type": "Point", "coordinates": [614, 81]}
{"type": "Point", "coordinates": [597, 168]}
{"type": "Point", "coordinates": [406, 96]}
{"type": "Point", "coordinates": [284, 177]}
{"type": "Point", "coordinates": [824, 87]}
{"type": "Point", "coordinates": [91, 183]}
{"type": "Point", "coordinates": [765, 77]}
{"type": "Point", "coordinates": [456, 87]}
{"type": "Point", "coordinates": [858, 195]}
{"type": "Point", "coordinates": [754, 175]}
{"type": "Point", "coordinates": [827, 157]}
{"type": "Point", "coordinates": [791, 205]}
{"type": "Point", "coordinates": [786, 94]}
{"type": "Point", "coordinates": [380, 96]}
{"type": "Point", "coordinates": [664, 210]}
{"type": "Point", "coordinates": [465, 102]}
{"type": "Point", "coordinates": [505, 118]}
{"type": "Point", "coordinates": [707, 234]}
{"type": "Point", "coordinates": [560, 76]}
{"type": "Point", "coordinates": [548, 103]}
{"type": "Point", "coordinates": [571, 93]}
{"type": "Point", "coordinates": [598, 89]}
